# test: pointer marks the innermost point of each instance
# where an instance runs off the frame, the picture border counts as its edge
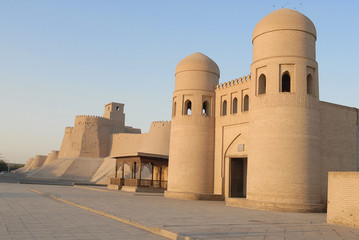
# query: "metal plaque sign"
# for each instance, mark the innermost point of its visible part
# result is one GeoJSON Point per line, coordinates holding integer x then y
{"type": "Point", "coordinates": [240, 147]}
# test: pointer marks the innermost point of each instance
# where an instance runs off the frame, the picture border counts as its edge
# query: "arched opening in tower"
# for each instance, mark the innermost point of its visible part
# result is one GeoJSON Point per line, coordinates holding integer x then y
{"type": "Point", "coordinates": [286, 82]}
{"type": "Point", "coordinates": [246, 103]}
{"type": "Point", "coordinates": [224, 108]}
{"type": "Point", "coordinates": [205, 108]}
{"type": "Point", "coordinates": [174, 109]}
{"type": "Point", "coordinates": [188, 108]}
{"type": "Point", "coordinates": [310, 84]}
{"type": "Point", "coordinates": [235, 105]}
{"type": "Point", "coordinates": [262, 84]}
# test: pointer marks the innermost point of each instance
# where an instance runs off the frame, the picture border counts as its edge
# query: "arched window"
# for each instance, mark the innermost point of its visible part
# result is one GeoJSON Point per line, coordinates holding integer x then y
{"type": "Point", "coordinates": [127, 171]}
{"type": "Point", "coordinates": [174, 109]}
{"type": "Point", "coordinates": [235, 105]}
{"type": "Point", "coordinates": [286, 82]}
{"type": "Point", "coordinates": [224, 108]}
{"type": "Point", "coordinates": [246, 103]}
{"type": "Point", "coordinates": [205, 109]}
{"type": "Point", "coordinates": [262, 84]}
{"type": "Point", "coordinates": [310, 86]}
{"type": "Point", "coordinates": [146, 171]}
{"type": "Point", "coordinates": [188, 108]}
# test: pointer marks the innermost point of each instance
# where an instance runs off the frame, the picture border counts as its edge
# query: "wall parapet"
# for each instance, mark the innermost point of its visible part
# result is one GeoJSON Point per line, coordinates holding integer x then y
{"type": "Point", "coordinates": [234, 82]}
{"type": "Point", "coordinates": [89, 118]}
{"type": "Point", "coordinates": [160, 122]}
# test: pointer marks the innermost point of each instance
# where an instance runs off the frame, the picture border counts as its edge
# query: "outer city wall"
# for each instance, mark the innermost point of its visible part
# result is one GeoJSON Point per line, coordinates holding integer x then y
{"type": "Point", "coordinates": [51, 157]}
{"type": "Point", "coordinates": [155, 141]}
{"type": "Point", "coordinates": [338, 141]}
{"type": "Point", "coordinates": [65, 146]}
{"type": "Point", "coordinates": [88, 138]}
{"type": "Point", "coordinates": [37, 161]}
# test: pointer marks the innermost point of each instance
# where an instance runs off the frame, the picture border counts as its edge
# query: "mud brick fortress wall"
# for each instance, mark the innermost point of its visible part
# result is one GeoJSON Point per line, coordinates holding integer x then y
{"type": "Point", "coordinates": [343, 198]}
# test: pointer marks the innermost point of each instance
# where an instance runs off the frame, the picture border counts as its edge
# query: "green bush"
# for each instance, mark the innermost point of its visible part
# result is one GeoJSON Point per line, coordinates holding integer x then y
{"type": "Point", "coordinates": [16, 166]}
{"type": "Point", "coordinates": [3, 166]}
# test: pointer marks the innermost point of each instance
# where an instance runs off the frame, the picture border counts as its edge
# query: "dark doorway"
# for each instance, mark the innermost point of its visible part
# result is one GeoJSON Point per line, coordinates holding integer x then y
{"type": "Point", "coordinates": [238, 177]}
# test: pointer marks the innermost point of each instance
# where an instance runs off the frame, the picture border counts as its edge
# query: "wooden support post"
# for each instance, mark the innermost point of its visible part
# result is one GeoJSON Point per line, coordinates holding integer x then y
{"type": "Point", "coordinates": [116, 169]}
{"type": "Point", "coordinates": [139, 174]}
{"type": "Point", "coordinates": [160, 176]}
{"type": "Point", "coordinates": [152, 175]}
{"type": "Point", "coordinates": [139, 170]}
{"type": "Point", "coordinates": [132, 169]}
{"type": "Point", "coordinates": [123, 169]}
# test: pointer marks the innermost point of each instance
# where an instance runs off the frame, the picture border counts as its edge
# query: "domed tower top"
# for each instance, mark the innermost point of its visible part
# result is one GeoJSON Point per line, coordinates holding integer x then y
{"type": "Point", "coordinates": [196, 71]}
{"type": "Point", "coordinates": [197, 62]}
{"type": "Point", "coordinates": [284, 19]}
{"type": "Point", "coordinates": [282, 33]}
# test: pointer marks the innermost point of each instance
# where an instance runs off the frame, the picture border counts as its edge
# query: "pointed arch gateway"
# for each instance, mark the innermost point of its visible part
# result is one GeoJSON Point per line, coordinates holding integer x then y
{"type": "Point", "coordinates": [237, 171]}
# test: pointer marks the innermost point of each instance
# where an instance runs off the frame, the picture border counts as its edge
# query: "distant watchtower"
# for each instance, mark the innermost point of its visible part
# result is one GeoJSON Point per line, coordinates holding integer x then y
{"type": "Point", "coordinates": [114, 112]}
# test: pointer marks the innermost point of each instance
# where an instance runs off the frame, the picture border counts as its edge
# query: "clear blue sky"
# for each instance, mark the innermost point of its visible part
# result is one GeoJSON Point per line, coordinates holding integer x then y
{"type": "Point", "coordinates": [59, 59]}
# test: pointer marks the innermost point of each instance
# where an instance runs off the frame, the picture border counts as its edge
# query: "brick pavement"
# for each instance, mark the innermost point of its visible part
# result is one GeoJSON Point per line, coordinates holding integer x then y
{"type": "Point", "coordinates": [27, 215]}
{"type": "Point", "coordinates": [204, 219]}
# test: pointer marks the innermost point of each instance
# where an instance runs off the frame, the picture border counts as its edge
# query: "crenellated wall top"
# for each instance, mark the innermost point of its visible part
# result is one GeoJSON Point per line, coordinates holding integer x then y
{"type": "Point", "coordinates": [161, 122]}
{"type": "Point", "coordinates": [90, 117]}
{"type": "Point", "coordinates": [233, 82]}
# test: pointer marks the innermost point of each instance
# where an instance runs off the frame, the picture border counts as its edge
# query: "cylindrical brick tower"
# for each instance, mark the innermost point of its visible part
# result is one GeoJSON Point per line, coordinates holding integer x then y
{"type": "Point", "coordinates": [191, 156]}
{"type": "Point", "coordinates": [284, 155]}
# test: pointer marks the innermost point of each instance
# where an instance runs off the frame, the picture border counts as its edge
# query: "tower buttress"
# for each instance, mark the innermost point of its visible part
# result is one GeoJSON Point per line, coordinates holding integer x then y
{"type": "Point", "coordinates": [284, 113]}
{"type": "Point", "coordinates": [191, 156]}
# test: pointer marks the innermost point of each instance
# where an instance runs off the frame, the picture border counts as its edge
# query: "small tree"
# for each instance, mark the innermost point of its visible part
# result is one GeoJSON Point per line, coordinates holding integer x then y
{"type": "Point", "coordinates": [3, 166]}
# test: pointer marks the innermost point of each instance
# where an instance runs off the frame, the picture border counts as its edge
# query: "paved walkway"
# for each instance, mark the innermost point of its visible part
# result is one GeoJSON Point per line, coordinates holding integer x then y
{"type": "Point", "coordinates": [195, 219]}
{"type": "Point", "coordinates": [27, 215]}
